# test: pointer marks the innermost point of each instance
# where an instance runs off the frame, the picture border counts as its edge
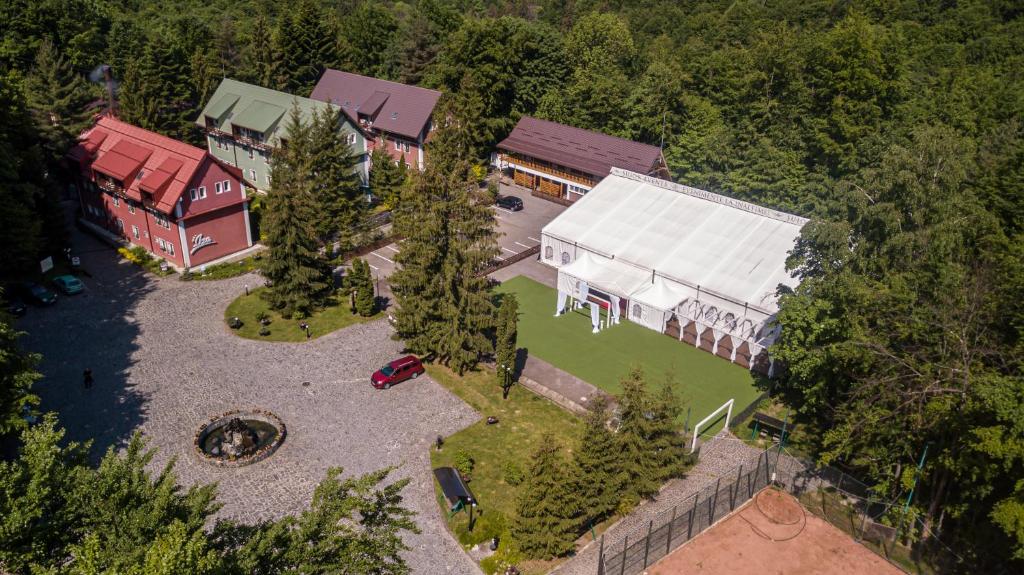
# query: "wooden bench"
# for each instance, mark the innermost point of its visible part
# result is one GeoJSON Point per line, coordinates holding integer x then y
{"type": "Point", "coordinates": [771, 426]}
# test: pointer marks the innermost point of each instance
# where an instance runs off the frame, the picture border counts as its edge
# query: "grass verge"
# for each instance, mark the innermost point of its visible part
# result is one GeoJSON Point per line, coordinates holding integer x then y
{"type": "Point", "coordinates": [223, 271]}
{"type": "Point", "coordinates": [705, 381]}
{"type": "Point", "coordinates": [522, 420]}
{"type": "Point", "coordinates": [334, 316]}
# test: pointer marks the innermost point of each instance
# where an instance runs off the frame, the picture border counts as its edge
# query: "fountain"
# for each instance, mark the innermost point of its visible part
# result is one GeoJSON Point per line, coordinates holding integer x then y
{"type": "Point", "coordinates": [240, 437]}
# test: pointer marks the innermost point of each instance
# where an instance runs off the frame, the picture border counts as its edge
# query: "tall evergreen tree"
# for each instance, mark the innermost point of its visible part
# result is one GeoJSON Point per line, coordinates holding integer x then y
{"type": "Point", "coordinates": [370, 38]}
{"type": "Point", "coordinates": [297, 270]}
{"type": "Point", "coordinates": [387, 178]}
{"type": "Point", "coordinates": [598, 461]}
{"type": "Point", "coordinates": [636, 430]}
{"type": "Point", "coordinates": [17, 374]}
{"type": "Point", "coordinates": [547, 507]}
{"type": "Point", "coordinates": [58, 97]}
{"type": "Point", "coordinates": [506, 333]}
{"type": "Point", "coordinates": [257, 55]}
{"type": "Point", "coordinates": [445, 308]}
{"type": "Point", "coordinates": [305, 44]}
{"type": "Point", "coordinates": [157, 90]}
{"type": "Point", "coordinates": [667, 443]}
{"type": "Point", "coordinates": [337, 187]}
{"type": "Point", "coordinates": [364, 288]}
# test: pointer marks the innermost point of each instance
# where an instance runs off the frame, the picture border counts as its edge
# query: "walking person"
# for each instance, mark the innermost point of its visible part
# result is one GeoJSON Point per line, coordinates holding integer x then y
{"type": "Point", "coordinates": [87, 378]}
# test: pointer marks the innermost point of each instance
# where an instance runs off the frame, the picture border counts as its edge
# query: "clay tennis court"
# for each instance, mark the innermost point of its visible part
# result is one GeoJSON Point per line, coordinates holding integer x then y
{"type": "Point", "coordinates": [773, 535]}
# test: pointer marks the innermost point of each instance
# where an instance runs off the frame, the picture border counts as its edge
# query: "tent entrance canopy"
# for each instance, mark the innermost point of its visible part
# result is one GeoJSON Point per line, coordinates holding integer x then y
{"type": "Point", "coordinates": [653, 305]}
{"type": "Point", "coordinates": [607, 275]}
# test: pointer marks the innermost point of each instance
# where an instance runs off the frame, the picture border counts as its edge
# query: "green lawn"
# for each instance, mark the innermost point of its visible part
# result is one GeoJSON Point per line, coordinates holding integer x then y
{"type": "Point", "coordinates": [602, 359]}
{"type": "Point", "coordinates": [523, 418]}
{"type": "Point", "coordinates": [332, 318]}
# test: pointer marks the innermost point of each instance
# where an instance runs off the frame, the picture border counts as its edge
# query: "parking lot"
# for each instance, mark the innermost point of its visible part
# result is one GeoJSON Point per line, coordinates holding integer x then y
{"type": "Point", "coordinates": [517, 231]}
{"type": "Point", "coordinates": [164, 363]}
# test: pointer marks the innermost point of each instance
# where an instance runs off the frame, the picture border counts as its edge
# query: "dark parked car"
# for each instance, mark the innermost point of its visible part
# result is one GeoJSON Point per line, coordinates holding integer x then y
{"type": "Point", "coordinates": [37, 294]}
{"type": "Point", "coordinates": [408, 367]}
{"type": "Point", "coordinates": [510, 203]}
{"type": "Point", "coordinates": [68, 284]}
{"type": "Point", "coordinates": [16, 307]}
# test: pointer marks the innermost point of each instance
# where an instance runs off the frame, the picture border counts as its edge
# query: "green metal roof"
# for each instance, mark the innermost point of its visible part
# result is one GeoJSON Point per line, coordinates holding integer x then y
{"type": "Point", "coordinates": [218, 107]}
{"type": "Point", "coordinates": [259, 116]}
{"type": "Point", "coordinates": [257, 108]}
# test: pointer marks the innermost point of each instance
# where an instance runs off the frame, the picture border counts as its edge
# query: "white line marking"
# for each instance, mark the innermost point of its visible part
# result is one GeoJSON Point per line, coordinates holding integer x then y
{"type": "Point", "coordinates": [500, 258]}
{"type": "Point", "coordinates": [392, 248]}
{"type": "Point", "coordinates": [381, 257]}
{"type": "Point", "coordinates": [373, 267]}
{"type": "Point", "coordinates": [508, 250]}
{"type": "Point", "coordinates": [519, 244]}
{"type": "Point", "coordinates": [534, 239]}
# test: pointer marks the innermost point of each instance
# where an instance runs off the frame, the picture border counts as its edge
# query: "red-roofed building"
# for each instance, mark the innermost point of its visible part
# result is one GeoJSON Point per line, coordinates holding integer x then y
{"type": "Point", "coordinates": [396, 118]}
{"type": "Point", "coordinates": [175, 200]}
{"type": "Point", "coordinates": [558, 161]}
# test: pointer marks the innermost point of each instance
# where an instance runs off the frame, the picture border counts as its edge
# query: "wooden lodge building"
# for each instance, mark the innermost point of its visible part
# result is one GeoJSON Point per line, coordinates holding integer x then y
{"type": "Point", "coordinates": [563, 163]}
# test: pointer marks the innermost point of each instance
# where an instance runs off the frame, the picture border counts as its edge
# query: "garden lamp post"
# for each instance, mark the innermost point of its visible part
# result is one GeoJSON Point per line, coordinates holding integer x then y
{"type": "Point", "coordinates": [506, 380]}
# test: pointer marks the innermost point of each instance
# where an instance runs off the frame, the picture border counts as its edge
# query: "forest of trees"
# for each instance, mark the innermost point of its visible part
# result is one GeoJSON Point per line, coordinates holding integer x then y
{"type": "Point", "coordinates": [896, 126]}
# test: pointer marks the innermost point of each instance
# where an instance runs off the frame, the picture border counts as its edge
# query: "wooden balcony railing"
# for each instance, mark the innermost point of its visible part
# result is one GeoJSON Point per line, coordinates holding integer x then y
{"type": "Point", "coordinates": [246, 141]}
{"type": "Point", "coordinates": [546, 169]}
{"type": "Point", "coordinates": [109, 185]}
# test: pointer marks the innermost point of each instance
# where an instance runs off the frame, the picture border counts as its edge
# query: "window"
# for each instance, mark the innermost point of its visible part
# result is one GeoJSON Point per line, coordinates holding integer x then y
{"type": "Point", "coordinates": [135, 232]}
{"type": "Point", "coordinates": [120, 225]}
{"type": "Point", "coordinates": [117, 202]}
{"type": "Point", "coordinates": [161, 220]}
{"type": "Point", "coordinates": [549, 253]}
{"type": "Point", "coordinates": [252, 176]}
{"type": "Point", "coordinates": [405, 147]}
{"type": "Point", "coordinates": [202, 192]}
{"type": "Point", "coordinates": [266, 157]}
{"type": "Point", "coordinates": [268, 179]}
{"type": "Point", "coordinates": [398, 145]}
{"type": "Point", "coordinates": [160, 244]}
{"type": "Point", "coordinates": [638, 312]}
{"type": "Point", "coordinates": [170, 247]}
{"type": "Point", "coordinates": [192, 194]}
{"type": "Point", "coordinates": [131, 207]}
{"type": "Point", "coordinates": [351, 139]}
{"type": "Point", "coordinates": [565, 258]}
{"type": "Point", "coordinates": [227, 186]}
{"type": "Point", "coordinates": [217, 188]}
{"type": "Point", "coordinates": [251, 154]}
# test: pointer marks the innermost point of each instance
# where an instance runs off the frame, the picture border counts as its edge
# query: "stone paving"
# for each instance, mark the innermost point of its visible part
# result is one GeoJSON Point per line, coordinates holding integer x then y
{"type": "Point", "coordinates": [164, 363]}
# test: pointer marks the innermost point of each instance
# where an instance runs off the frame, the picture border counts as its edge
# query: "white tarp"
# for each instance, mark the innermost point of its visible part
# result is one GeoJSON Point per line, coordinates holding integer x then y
{"type": "Point", "coordinates": [733, 250]}
{"type": "Point", "coordinates": [663, 294]}
{"type": "Point", "coordinates": [610, 276]}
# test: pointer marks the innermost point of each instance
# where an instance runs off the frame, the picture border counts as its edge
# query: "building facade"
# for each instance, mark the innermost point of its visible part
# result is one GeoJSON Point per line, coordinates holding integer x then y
{"type": "Point", "coordinates": [396, 118]}
{"type": "Point", "coordinates": [244, 123]}
{"type": "Point", "coordinates": [175, 200]}
{"type": "Point", "coordinates": [560, 162]}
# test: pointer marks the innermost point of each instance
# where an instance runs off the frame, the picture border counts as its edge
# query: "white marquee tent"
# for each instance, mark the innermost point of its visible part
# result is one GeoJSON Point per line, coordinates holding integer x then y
{"type": "Point", "coordinates": [676, 253]}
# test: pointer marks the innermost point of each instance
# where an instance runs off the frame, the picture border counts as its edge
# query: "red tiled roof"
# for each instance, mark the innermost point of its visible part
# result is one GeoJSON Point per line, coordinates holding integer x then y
{"type": "Point", "coordinates": [398, 108]}
{"type": "Point", "coordinates": [589, 152]}
{"type": "Point", "coordinates": [142, 160]}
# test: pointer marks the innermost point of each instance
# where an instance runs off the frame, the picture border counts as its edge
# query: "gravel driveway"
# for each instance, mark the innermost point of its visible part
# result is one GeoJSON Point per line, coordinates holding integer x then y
{"type": "Point", "coordinates": [164, 363]}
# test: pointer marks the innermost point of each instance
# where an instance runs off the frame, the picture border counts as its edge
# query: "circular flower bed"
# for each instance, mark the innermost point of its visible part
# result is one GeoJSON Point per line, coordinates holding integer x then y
{"type": "Point", "coordinates": [257, 418]}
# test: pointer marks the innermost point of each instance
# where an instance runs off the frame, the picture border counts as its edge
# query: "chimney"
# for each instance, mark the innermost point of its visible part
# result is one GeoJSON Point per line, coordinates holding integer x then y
{"type": "Point", "coordinates": [108, 77]}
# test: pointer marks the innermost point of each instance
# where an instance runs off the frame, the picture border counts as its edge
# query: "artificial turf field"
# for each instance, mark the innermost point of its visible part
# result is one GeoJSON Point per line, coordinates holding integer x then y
{"type": "Point", "coordinates": [704, 381]}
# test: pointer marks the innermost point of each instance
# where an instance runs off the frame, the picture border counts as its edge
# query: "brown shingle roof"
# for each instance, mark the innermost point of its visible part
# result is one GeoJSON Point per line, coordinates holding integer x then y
{"type": "Point", "coordinates": [398, 108]}
{"type": "Point", "coordinates": [589, 152]}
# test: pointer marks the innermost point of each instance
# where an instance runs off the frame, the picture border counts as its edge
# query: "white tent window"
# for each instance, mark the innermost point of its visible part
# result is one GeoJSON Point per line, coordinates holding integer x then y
{"type": "Point", "coordinates": [549, 252]}
{"type": "Point", "coordinates": [638, 311]}
{"type": "Point", "coordinates": [565, 258]}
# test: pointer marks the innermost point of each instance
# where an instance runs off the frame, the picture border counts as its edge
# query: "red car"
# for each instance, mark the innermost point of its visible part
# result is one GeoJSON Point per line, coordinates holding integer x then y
{"type": "Point", "coordinates": [408, 367]}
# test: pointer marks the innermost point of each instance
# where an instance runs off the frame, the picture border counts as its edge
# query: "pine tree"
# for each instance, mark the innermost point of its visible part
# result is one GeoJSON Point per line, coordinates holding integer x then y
{"type": "Point", "coordinates": [17, 374]}
{"type": "Point", "coordinates": [306, 43]}
{"type": "Point", "coordinates": [636, 430]}
{"type": "Point", "coordinates": [364, 289]}
{"type": "Point", "coordinates": [257, 55]}
{"type": "Point", "coordinates": [505, 342]}
{"type": "Point", "coordinates": [599, 463]}
{"type": "Point", "coordinates": [547, 507]}
{"type": "Point", "coordinates": [58, 98]}
{"type": "Point", "coordinates": [667, 443]}
{"type": "Point", "coordinates": [387, 178]}
{"type": "Point", "coordinates": [298, 272]}
{"type": "Point", "coordinates": [157, 94]}
{"type": "Point", "coordinates": [337, 187]}
{"type": "Point", "coordinates": [445, 308]}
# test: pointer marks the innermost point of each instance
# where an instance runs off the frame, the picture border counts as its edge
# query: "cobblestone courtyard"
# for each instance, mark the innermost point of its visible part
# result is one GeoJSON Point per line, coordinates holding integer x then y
{"type": "Point", "coordinates": [164, 363]}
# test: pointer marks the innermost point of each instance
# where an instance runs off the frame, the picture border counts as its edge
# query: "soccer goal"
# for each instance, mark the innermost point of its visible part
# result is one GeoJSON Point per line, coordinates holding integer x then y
{"type": "Point", "coordinates": [727, 406]}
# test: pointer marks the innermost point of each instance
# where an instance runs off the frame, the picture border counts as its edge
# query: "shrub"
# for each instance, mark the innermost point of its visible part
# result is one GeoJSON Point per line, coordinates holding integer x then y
{"type": "Point", "coordinates": [512, 473]}
{"type": "Point", "coordinates": [263, 317]}
{"type": "Point", "coordinates": [140, 255]}
{"type": "Point", "coordinates": [464, 462]}
{"type": "Point", "coordinates": [488, 524]}
{"type": "Point", "coordinates": [264, 331]}
{"type": "Point", "coordinates": [186, 275]}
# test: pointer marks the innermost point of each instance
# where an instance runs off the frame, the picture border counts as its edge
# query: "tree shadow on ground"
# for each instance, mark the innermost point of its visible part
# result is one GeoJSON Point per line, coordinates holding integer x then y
{"type": "Point", "coordinates": [95, 330]}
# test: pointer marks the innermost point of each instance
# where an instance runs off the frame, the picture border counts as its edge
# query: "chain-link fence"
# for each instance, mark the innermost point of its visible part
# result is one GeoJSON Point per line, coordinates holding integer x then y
{"type": "Point", "coordinates": [684, 521]}
{"type": "Point", "coordinates": [877, 524]}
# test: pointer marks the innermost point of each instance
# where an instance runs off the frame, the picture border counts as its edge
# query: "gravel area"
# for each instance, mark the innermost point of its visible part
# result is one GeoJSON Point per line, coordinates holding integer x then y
{"type": "Point", "coordinates": [719, 458]}
{"type": "Point", "coordinates": [164, 363]}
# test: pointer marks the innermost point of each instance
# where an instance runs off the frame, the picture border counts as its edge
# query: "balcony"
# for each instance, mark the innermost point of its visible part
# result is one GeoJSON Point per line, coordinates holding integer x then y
{"type": "Point", "coordinates": [251, 142]}
{"type": "Point", "coordinates": [546, 168]}
{"type": "Point", "coordinates": [110, 185]}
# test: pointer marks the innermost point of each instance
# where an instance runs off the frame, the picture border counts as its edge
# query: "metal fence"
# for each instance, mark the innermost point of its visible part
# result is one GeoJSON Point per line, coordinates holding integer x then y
{"type": "Point", "coordinates": [686, 520]}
